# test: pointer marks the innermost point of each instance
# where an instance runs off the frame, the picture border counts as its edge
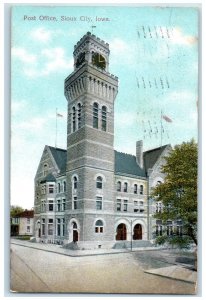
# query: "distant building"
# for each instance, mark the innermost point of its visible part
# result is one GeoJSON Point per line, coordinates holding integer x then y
{"type": "Point", "coordinates": [90, 193]}
{"type": "Point", "coordinates": [23, 223]}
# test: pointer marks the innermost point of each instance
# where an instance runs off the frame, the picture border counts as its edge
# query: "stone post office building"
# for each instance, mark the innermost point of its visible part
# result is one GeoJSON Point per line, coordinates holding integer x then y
{"type": "Point", "coordinates": [91, 194]}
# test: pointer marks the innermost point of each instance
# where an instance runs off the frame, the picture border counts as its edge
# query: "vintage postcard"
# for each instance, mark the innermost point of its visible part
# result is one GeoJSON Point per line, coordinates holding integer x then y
{"type": "Point", "coordinates": [104, 139]}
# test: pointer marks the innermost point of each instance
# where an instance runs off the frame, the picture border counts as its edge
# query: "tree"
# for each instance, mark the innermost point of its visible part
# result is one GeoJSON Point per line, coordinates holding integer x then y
{"type": "Point", "coordinates": [15, 210]}
{"type": "Point", "coordinates": [178, 195]}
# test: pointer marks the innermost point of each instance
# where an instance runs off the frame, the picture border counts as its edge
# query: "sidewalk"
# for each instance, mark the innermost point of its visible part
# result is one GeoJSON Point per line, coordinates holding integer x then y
{"type": "Point", "coordinates": [75, 253]}
{"type": "Point", "coordinates": [175, 272]}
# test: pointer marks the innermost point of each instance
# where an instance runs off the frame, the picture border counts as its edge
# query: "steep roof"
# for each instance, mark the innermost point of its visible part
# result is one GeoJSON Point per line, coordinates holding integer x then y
{"type": "Point", "coordinates": [60, 157]}
{"type": "Point", "coordinates": [126, 164]}
{"type": "Point", "coordinates": [151, 156]}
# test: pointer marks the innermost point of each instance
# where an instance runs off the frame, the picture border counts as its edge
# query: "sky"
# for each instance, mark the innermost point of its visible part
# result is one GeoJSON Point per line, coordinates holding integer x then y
{"type": "Point", "coordinates": [154, 53]}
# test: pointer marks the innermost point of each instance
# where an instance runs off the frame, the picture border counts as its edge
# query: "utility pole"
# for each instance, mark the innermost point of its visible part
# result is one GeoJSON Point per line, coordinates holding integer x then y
{"type": "Point", "coordinates": [131, 235]}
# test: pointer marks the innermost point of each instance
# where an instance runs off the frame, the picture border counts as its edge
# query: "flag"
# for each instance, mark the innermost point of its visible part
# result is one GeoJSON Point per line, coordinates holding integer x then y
{"type": "Point", "coordinates": [59, 115]}
{"type": "Point", "coordinates": [167, 119]}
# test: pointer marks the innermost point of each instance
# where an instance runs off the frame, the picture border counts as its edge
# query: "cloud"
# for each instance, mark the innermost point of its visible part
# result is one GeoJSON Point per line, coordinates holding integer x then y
{"type": "Point", "coordinates": [23, 55]}
{"type": "Point", "coordinates": [18, 106]}
{"type": "Point", "coordinates": [56, 61]}
{"type": "Point", "coordinates": [41, 34]}
{"type": "Point", "coordinates": [49, 60]}
{"type": "Point", "coordinates": [179, 38]}
{"type": "Point", "coordinates": [121, 51]}
{"type": "Point", "coordinates": [125, 119]}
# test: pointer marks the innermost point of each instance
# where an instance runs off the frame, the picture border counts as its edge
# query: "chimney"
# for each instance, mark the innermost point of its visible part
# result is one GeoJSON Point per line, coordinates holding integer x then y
{"type": "Point", "coordinates": [139, 153]}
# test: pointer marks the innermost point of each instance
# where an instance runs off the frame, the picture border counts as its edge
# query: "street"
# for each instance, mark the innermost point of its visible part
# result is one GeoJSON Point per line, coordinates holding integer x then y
{"type": "Point", "coordinates": [35, 270]}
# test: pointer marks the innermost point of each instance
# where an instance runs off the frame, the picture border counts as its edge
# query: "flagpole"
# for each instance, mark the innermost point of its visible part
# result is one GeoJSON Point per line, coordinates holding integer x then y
{"type": "Point", "coordinates": [56, 131]}
{"type": "Point", "coordinates": [161, 130]}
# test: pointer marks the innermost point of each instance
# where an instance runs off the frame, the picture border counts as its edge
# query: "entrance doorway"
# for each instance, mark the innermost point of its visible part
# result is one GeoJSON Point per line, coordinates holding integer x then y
{"type": "Point", "coordinates": [137, 232]}
{"type": "Point", "coordinates": [121, 232]}
{"type": "Point", "coordinates": [75, 233]}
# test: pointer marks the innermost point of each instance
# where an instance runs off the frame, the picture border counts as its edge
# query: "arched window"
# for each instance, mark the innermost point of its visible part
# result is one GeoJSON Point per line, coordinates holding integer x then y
{"type": "Point", "coordinates": [95, 115]}
{"type": "Point", "coordinates": [73, 119]}
{"type": "Point", "coordinates": [59, 188]}
{"type": "Point", "coordinates": [99, 226]}
{"type": "Point", "coordinates": [135, 188]}
{"type": "Point", "coordinates": [99, 182]}
{"type": "Point", "coordinates": [141, 189]}
{"type": "Point", "coordinates": [119, 186]}
{"type": "Point", "coordinates": [125, 187]}
{"type": "Point", "coordinates": [75, 182]}
{"type": "Point", "coordinates": [64, 186]}
{"type": "Point", "coordinates": [104, 118]}
{"type": "Point", "coordinates": [79, 108]}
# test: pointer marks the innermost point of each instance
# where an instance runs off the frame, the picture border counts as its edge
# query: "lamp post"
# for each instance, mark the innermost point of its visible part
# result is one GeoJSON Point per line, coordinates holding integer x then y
{"type": "Point", "coordinates": [131, 235]}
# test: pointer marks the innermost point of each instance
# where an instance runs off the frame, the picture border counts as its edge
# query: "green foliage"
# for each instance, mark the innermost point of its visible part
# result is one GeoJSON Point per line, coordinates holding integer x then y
{"type": "Point", "coordinates": [178, 193]}
{"type": "Point", "coordinates": [15, 210]}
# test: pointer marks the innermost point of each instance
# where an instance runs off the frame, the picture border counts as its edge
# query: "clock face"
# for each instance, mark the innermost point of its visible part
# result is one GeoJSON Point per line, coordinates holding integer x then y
{"type": "Point", "coordinates": [80, 59]}
{"type": "Point", "coordinates": [98, 60]}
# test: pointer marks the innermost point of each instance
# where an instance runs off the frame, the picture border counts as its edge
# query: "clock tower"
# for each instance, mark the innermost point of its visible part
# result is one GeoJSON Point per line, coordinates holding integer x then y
{"type": "Point", "coordinates": [90, 91]}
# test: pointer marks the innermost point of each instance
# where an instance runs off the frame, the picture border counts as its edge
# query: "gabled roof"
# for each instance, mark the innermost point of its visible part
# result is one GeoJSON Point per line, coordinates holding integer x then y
{"type": "Point", "coordinates": [126, 164]}
{"type": "Point", "coordinates": [151, 156]}
{"type": "Point", "coordinates": [60, 157]}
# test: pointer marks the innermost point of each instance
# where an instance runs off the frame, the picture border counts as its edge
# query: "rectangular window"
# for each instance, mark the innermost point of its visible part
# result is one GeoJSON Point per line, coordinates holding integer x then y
{"type": "Point", "coordinates": [43, 206]}
{"type": "Point", "coordinates": [58, 227]}
{"type": "Point", "coordinates": [28, 229]}
{"type": "Point", "coordinates": [51, 205]}
{"type": "Point", "coordinates": [136, 206]}
{"type": "Point", "coordinates": [99, 203]}
{"type": "Point", "coordinates": [63, 227]}
{"type": "Point", "coordinates": [43, 189]}
{"type": "Point", "coordinates": [118, 204]}
{"type": "Point", "coordinates": [75, 202]}
{"type": "Point", "coordinates": [63, 204]}
{"type": "Point", "coordinates": [141, 190]}
{"type": "Point", "coordinates": [28, 220]}
{"type": "Point", "coordinates": [50, 227]}
{"type": "Point", "coordinates": [43, 227]}
{"type": "Point", "coordinates": [51, 188]}
{"type": "Point", "coordinates": [125, 205]}
{"type": "Point", "coordinates": [58, 205]}
{"type": "Point", "coordinates": [135, 188]}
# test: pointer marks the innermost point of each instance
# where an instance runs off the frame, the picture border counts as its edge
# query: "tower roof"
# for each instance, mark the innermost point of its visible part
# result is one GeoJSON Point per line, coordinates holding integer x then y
{"type": "Point", "coordinates": [90, 36]}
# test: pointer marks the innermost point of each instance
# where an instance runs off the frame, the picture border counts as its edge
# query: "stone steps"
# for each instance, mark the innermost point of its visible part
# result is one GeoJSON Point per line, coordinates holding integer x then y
{"type": "Point", "coordinates": [135, 244]}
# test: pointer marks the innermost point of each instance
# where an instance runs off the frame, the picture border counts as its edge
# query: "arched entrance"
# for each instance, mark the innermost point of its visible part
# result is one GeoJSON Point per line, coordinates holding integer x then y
{"type": "Point", "coordinates": [137, 232]}
{"type": "Point", "coordinates": [75, 232]}
{"type": "Point", "coordinates": [121, 232]}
